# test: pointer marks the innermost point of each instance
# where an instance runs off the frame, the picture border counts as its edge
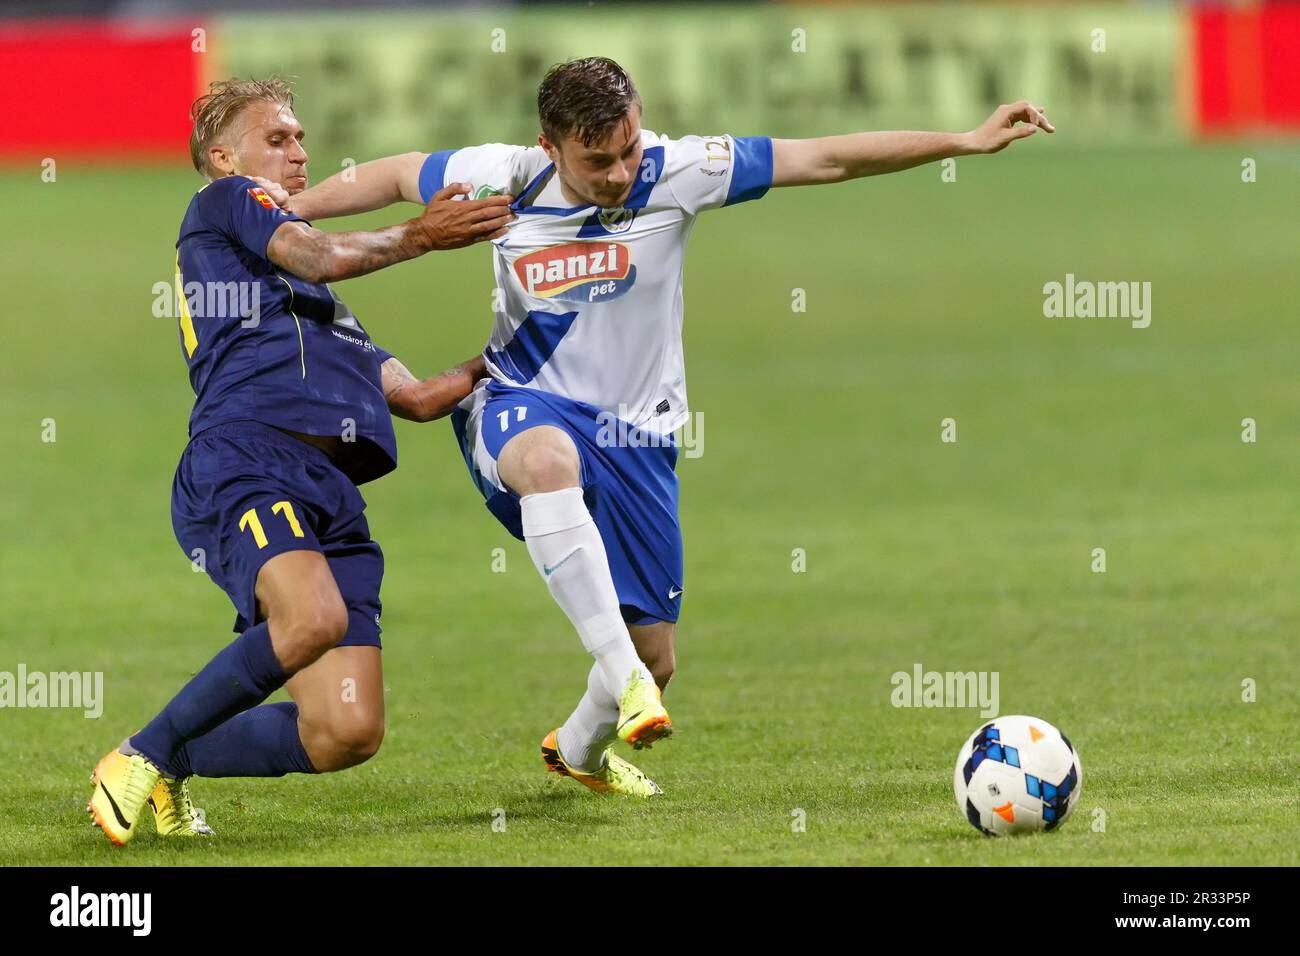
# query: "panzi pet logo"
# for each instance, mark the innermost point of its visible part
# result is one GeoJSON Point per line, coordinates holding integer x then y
{"type": "Point", "coordinates": [260, 194]}
{"type": "Point", "coordinates": [577, 271]}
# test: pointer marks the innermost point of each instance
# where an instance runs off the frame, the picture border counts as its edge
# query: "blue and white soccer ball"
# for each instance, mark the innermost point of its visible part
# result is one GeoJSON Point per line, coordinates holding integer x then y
{"type": "Point", "coordinates": [1017, 775]}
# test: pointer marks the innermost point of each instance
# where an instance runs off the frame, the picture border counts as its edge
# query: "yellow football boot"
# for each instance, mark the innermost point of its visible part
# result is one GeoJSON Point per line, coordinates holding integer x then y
{"type": "Point", "coordinates": [122, 788]}
{"type": "Point", "coordinates": [642, 718]}
{"type": "Point", "coordinates": [174, 813]}
{"type": "Point", "coordinates": [616, 775]}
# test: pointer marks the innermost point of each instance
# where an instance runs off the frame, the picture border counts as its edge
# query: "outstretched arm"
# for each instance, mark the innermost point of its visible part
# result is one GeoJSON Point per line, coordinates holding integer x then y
{"type": "Point", "coordinates": [833, 159]}
{"type": "Point", "coordinates": [316, 256]}
{"type": "Point", "coordinates": [424, 401]}
{"type": "Point", "coordinates": [369, 186]}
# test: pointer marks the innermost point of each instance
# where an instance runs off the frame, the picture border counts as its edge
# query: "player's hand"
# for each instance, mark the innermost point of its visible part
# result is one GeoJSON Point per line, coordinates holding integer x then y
{"type": "Point", "coordinates": [450, 222]}
{"type": "Point", "coordinates": [998, 131]}
{"type": "Point", "coordinates": [279, 195]}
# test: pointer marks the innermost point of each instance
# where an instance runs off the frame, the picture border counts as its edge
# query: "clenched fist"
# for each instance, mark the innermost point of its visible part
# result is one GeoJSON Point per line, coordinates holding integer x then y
{"type": "Point", "coordinates": [450, 223]}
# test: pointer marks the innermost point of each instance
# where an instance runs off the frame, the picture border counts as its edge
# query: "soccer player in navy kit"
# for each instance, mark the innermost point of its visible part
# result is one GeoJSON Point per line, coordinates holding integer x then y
{"type": "Point", "coordinates": [292, 412]}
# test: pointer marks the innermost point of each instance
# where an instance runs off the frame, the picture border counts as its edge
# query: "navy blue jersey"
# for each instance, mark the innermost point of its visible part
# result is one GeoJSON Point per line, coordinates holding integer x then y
{"type": "Point", "coordinates": [263, 345]}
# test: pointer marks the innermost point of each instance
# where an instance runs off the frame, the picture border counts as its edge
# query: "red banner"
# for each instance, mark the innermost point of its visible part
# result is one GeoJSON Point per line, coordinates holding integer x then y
{"type": "Point", "coordinates": [1247, 67]}
{"type": "Point", "coordinates": [97, 88]}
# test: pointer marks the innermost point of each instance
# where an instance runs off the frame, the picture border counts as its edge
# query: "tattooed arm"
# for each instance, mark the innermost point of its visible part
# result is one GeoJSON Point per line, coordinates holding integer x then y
{"type": "Point", "coordinates": [425, 401]}
{"type": "Point", "coordinates": [316, 256]}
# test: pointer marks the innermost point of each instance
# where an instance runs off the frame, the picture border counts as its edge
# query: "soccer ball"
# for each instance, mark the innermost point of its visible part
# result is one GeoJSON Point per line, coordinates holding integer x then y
{"type": "Point", "coordinates": [1017, 775]}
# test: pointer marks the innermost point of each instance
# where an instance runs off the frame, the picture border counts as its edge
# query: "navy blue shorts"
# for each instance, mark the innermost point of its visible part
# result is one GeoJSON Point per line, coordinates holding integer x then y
{"type": "Point", "coordinates": [245, 492]}
{"type": "Point", "coordinates": [629, 482]}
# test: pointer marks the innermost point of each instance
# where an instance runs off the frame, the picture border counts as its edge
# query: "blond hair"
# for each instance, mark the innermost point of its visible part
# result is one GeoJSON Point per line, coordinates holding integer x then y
{"type": "Point", "coordinates": [213, 112]}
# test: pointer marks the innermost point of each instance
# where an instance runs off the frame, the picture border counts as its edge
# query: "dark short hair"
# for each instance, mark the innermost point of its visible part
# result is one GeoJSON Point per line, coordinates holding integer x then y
{"type": "Point", "coordinates": [585, 98]}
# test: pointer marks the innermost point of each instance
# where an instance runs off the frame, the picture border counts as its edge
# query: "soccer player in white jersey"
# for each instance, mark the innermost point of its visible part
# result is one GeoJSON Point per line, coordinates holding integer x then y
{"type": "Point", "coordinates": [568, 436]}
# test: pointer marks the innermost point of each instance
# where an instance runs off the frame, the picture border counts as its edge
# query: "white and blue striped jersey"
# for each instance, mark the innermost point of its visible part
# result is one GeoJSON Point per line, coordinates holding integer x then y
{"type": "Point", "coordinates": [589, 302]}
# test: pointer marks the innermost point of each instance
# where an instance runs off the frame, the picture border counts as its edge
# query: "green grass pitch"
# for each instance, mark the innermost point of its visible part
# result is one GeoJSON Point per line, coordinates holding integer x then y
{"type": "Point", "coordinates": [822, 432]}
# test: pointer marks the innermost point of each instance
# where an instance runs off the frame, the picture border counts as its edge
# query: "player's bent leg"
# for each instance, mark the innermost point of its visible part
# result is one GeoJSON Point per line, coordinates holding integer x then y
{"type": "Point", "coordinates": [343, 725]}
{"type": "Point", "coordinates": [305, 616]}
{"type": "Point", "coordinates": [340, 701]}
{"type": "Point", "coordinates": [297, 594]}
{"type": "Point", "coordinates": [580, 747]}
{"type": "Point", "coordinates": [266, 741]}
{"type": "Point", "coordinates": [542, 465]}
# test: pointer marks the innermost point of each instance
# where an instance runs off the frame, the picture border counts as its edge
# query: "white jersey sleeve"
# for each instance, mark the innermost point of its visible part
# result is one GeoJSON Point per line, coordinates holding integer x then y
{"type": "Point", "coordinates": [495, 166]}
{"type": "Point", "coordinates": [708, 172]}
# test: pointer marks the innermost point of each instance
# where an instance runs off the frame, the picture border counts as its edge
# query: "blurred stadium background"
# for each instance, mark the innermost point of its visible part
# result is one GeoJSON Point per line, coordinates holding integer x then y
{"type": "Point", "coordinates": [381, 76]}
{"type": "Point", "coordinates": [1176, 163]}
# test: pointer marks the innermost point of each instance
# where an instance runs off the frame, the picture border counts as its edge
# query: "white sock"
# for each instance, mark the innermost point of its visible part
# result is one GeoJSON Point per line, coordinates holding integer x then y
{"type": "Point", "coordinates": [565, 545]}
{"type": "Point", "coordinates": [592, 726]}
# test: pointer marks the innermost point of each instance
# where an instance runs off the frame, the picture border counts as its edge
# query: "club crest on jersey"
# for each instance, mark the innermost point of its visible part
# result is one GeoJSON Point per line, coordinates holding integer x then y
{"type": "Point", "coordinates": [616, 220]}
{"type": "Point", "coordinates": [577, 271]}
{"type": "Point", "coordinates": [260, 194]}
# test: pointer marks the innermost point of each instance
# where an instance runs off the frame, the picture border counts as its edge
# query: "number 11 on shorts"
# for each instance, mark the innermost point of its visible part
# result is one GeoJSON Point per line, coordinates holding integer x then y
{"type": "Point", "coordinates": [249, 521]}
{"type": "Point", "coordinates": [521, 412]}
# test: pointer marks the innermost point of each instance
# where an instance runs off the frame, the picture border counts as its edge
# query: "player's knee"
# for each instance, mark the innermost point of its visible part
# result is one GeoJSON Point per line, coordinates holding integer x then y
{"type": "Point", "coordinates": [310, 631]}
{"type": "Point", "coordinates": [345, 742]}
{"type": "Point", "coordinates": [552, 469]}
{"type": "Point", "coordinates": [542, 462]}
{"type": "Point", "coordinates": [357, 743]}
{"type": "Point", "coordinates": [323, 626]}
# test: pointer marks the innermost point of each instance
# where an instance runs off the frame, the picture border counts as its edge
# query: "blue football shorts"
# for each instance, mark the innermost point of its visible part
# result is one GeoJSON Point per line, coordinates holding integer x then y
{"type": "Point", "coordinates": [245, 492]}
{"type": "Point", "coordinates": [629, 482]}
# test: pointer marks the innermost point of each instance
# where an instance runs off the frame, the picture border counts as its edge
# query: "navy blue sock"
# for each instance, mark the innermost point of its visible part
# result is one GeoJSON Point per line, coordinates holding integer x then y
{"type": "Point", "coordinates": [241, 676]}
{"type": "Point", "coordinates": [262, 742]}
